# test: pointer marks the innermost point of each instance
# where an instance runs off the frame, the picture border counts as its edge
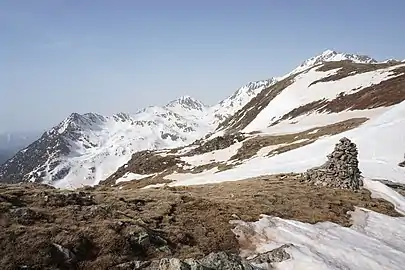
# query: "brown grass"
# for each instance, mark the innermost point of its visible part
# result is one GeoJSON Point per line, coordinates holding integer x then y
{"type": "Point", "coordinates": [98, 224]}
{"type": "Point", "coordinates": [384, 94]}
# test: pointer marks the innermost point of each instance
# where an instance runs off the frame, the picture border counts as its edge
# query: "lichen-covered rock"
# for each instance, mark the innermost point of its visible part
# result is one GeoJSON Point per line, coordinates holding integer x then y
{"type": "Point", "coordinates": [341, 170]}
{"type": "Point", "coordinates": [213, 261]}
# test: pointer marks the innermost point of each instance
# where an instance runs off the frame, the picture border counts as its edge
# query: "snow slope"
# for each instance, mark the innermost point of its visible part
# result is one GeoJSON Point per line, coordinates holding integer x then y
{"type": "Point", "coordinates": [374, 241]}
{"type": "Point", "coordinates": [301, 92]}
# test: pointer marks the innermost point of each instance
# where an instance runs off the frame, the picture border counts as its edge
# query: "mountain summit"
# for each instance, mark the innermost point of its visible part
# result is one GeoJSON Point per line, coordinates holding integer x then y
{"type": "Point", "coordinates": [330, 56]}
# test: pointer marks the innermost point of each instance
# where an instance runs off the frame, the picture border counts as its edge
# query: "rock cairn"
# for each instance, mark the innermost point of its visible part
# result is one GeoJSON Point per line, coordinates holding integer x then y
{"type": "Point", "coordinates": [341, 170]}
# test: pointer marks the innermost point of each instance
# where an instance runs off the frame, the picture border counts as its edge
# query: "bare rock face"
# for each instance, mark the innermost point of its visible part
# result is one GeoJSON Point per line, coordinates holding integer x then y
{"type": "Point", "coordinates": [341, 170]}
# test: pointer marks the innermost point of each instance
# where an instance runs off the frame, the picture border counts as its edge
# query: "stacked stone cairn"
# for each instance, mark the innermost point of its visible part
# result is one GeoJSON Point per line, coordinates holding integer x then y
{"type": "Point", "coordinates": [341, 170]}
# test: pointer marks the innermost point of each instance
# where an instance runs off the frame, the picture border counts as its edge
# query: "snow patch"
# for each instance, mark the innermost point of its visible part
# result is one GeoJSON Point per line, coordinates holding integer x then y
{"type": "Point", "coordinates": [132, 176]}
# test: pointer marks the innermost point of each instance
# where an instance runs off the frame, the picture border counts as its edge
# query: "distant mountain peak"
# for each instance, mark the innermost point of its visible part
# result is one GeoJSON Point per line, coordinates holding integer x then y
{"type": "Point", "coordinates": [328, 52]}
{"type": "Point", "coordinates": [187, 102]}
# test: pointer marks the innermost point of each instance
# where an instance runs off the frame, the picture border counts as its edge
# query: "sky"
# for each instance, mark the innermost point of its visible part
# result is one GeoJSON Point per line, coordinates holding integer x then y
{"type": "Point", "coordinates": [64, 56]}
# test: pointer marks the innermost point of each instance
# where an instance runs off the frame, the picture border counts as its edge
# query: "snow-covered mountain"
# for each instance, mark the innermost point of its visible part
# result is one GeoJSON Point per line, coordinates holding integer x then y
{"type": "Point", "coordinates": [85, 149]}
{"type": "Point", "coordinates": [90, 147]}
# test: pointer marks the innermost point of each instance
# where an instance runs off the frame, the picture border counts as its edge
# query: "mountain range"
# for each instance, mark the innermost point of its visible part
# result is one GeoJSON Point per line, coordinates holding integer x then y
{"type": "Point", "coordinates": [301, 171]}
{"type": "Point", "coordinates": [85, 149]}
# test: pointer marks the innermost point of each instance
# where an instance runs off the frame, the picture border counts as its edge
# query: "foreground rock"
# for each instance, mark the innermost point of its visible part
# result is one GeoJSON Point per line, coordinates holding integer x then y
{"type": "Point", "coordinates": [341, 170]}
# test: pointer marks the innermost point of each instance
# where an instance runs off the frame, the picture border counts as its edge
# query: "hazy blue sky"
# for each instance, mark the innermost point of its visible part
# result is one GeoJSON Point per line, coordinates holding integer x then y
{"type": "Point", "coordinates": [63, 56]}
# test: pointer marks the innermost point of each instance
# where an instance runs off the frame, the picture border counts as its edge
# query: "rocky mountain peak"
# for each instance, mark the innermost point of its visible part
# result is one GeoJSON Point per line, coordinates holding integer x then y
{"type": "Point", "coordinates": [331, 55]}
{"type": "Point", "coordinates": [77, 121]}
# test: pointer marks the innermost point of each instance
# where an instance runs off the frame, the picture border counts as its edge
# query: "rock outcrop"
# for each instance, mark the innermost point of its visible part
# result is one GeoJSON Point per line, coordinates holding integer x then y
{"type": "Point", "coordinates": [402, 164]}
{"type": "Point", "coordinates": [341, 170]}
{"type": "Point", "coordinates": [215, 260]}
{"type": "Point", "coordinates": [217, 143]}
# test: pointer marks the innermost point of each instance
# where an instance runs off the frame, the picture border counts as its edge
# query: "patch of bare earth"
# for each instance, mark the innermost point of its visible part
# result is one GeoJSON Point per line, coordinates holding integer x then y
{"type": "Point", "coordinates": [292, 141]}
{"type": "Point", "coordinates": [100, 228]}
{"type": "Point", "coordinates": [145, 163]}
{"type": "Point", "coordinates": [384, 94]}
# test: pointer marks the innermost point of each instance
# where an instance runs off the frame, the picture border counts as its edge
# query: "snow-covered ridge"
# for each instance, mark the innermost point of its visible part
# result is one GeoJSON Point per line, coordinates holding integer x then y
{"type": "Point", "coordinates": [240, 98]}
